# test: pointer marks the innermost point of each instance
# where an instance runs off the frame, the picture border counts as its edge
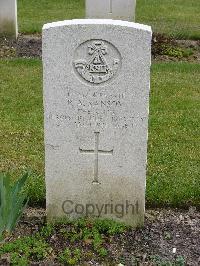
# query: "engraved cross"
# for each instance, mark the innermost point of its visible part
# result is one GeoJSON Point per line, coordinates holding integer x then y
{"type": "Point", "coordinates": [96, 152]}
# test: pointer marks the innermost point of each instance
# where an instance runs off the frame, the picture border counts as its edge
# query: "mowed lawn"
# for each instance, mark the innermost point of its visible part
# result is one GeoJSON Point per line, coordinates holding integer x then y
{"type": "Point", "coordinates": [174, 126]}
{"type": "Point", "coordinates": [178, 18]}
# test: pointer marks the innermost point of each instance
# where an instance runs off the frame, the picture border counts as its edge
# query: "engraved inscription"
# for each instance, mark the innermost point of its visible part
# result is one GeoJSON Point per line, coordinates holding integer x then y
{"type": "Point", "coordinates": [96, 110]}
{"type": "Point", "coordinates": [96, 152]}
{"type": "Point", "coordinates": [97, 61]}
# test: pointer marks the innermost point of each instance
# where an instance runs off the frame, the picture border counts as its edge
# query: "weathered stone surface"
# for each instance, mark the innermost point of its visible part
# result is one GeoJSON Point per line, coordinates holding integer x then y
{"type": "Point", "coordinates": [8, 18]}
{"type": "Point", "coordinates": [111, 9]}
{"type": "Point", "coordinates": [96, 96]}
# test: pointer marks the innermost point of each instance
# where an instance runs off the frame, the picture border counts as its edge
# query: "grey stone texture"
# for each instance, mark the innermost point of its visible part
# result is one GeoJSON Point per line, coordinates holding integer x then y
{"type": "Point", "coordinates": [111, 9]}
{"type": "Point", "coordinates": [8, 18]}
{"type": "Point", "coordinates": [96, 106]}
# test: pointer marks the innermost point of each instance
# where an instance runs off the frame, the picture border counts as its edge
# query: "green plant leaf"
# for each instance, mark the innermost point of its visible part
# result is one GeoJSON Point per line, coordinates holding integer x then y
{"type": "Point", "coordinates": [12, 202]}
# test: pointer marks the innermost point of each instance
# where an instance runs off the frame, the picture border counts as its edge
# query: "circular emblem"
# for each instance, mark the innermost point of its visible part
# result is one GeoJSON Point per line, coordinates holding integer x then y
{"type": "Point", "coordinates": [97, 61]}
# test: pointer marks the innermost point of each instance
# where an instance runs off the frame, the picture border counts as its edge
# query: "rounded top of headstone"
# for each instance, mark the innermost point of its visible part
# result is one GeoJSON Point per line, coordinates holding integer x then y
{"type": "Point", "coordinates": [97, 22]}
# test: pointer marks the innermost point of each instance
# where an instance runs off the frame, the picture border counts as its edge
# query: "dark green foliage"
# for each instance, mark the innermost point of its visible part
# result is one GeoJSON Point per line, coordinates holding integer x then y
{"type": "Point", "coordinates": [91, 231]}
{"type": "Point", "coordinates": [47, 230]}
{"type": "Point", "coordinates": [25, 249]}
{"type": "Point", "coordinates": [109, 227]}
{"type": "Point", "coordinates": [176, 51]}
{"type": "Point", "coordinates": [71, 238]}
{"type": "Point", "coordinates": [164, 45]}
{"type": "Point", "coordinates": [12, 202]}
{"type": "Point", "coordinates": [159, 261]}
{"type": "Point", "coordinates": [69, 257]}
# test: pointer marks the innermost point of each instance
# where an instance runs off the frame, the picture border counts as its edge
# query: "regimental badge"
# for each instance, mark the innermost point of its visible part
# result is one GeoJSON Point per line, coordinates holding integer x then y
{"type": "Point", "coordinates": [102, 61]}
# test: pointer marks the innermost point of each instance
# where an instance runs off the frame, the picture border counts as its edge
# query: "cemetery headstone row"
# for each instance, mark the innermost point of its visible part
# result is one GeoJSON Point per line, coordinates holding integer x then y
{"type": "Point", "coordinates": [8, 18]}
{"type": "Point", "coordinates": [111, 9]}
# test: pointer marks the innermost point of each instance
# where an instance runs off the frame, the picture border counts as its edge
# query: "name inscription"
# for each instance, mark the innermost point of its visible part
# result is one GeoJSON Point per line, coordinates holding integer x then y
{"type": "Point", "coordinates": [95, 110]}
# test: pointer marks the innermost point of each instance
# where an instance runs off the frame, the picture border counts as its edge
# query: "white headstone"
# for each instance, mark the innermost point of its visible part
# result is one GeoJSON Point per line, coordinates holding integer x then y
{"type": "Point", "coordinates": [96, 97]}
{"type": "Point", "coordinates": [8, 18]}
{"type": "Point", "coordinates": [111, 9]}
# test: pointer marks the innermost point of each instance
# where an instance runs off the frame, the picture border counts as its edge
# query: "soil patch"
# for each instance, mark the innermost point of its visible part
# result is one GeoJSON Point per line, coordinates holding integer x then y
{"type": "Point", "coordinates": [26, 46]}
{"type": "Point", "coordinates": [163, 48]}
{"type": "Point", "coordinates": [169, 237]}
{"type": "Point", "coordinates": [167, 49]}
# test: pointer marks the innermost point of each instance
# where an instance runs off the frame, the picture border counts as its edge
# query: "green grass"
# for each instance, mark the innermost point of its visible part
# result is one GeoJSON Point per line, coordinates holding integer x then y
{"type": "Point", "coordinates": [21, 112]}
{"type": "Point", "coordinates": [33, 13]}
{"type": "Point", "coordinates": [178, 18]}
{"type": "Point", "coordinates": [173, 155]}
